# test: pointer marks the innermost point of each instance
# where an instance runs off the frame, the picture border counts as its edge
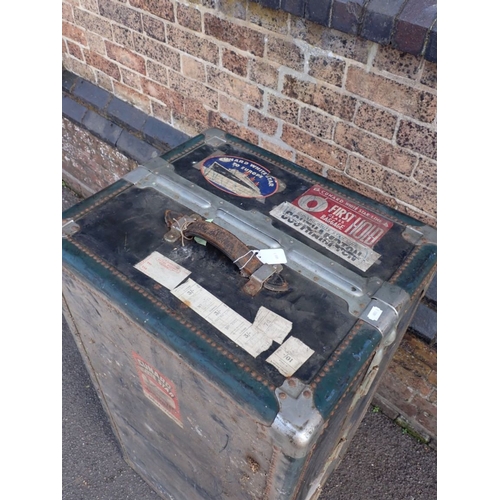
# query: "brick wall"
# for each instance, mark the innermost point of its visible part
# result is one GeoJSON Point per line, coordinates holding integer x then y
{"type": "Point", "coordinates": [359, 113]}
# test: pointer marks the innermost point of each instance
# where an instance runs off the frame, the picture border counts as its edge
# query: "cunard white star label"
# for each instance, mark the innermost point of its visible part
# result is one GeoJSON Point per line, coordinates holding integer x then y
{"type": "Point", "coordinates": [239, 176]}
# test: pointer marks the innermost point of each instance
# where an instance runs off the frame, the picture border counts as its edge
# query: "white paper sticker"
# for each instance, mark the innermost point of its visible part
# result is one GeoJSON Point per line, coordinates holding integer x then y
{"type": "Point", "coordinates": [222, 317]}
{"type": "Point", "coordinates": [290, 356]}
{"type": "Point", "coordinates": [274, 326]}
{"type": "Point", "coordinates": [272, 256]}
{"type": "Point", "coordinates": [163, 270]}
{"type": "Point", "coordinates": [375, 313]}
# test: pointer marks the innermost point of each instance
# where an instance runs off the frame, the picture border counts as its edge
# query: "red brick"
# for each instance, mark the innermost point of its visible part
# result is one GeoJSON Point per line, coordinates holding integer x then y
{"type": "Point", "coordinates": [195, 110]}
{"type": "Point", "coordinates": [91, 161]}
{"type": "Point", "coordinates": [394, 389]}
{"type": "Point", "coordinates": [67, 13]}
{"type": "Point", "coordinates": [376, 120]}
{"type": "Point", "coordinates": [418, 138]}
{"type": "Point", "coordinates": [276, 149]}
{"type": "Point", "coordinates": [365, 171]}
{"type": "Point", "coordinates": [123, 36]}
{"type": "Point", "coordinates": [228, 125]}
{"type": "Point", "coordinates": [329, 69]}
{"type": "Point", "coordinates": [396, 62]}
{"type": "Point", "coordinates": [308, 164]}
{"type": "Point", "coordinates": [313, 146]}
{"type": "Point", "coordinates": [138, 99]}
{"type": "Point", "coordinates": [122, 15]}
{"type": "Point", "coordinates": [257, 120]}
{"type": "Point", "coordinates": [433, 397]}
{"type": "Point", "coordinates": [426, 174]}
{"type": "Point", "coordinates": [235, 87]}
{"type": "Point", "coordinates": [188, 17]}
{"type": "Point", "coordinates": [90, 5]}
{"type": "Point", "coordinates": [302, 90]}
{"type": "Point", "coordinates": [240, 37]}
{"type": "Point", "coordinates": [410, 192]}
{"type": "Point", "coordinates": [235, 63]}
{"type": "Point", "coordinates": [318, 124]}
{"type": "Point", "coordinates": [126, 57]}
{"type": "Point", "coordinates": [96, 43]}
{"type": "Point", "coordinates": [154, 28]}
{"type": "Point", "coordinates": [74, 33]}
{"type": "Point", "coordinates": [410, 363]}
{"type": "Point", "coordinates": [187, 125]}
{"type": "Point", "coordinates": [131, 79]}
{"type": "Point", "coordinates": [322, 97]}
{"type": "Point", "coordinates": [78, 67]}
{"type": "Point", "coordinates": [93, 23]}
{"type": "Point", "coordinates": [414, 103]}
{"type": "Point", "coordinates": [75, 50]}
{"type": "Point", "coordinates": [426, 414]}
{"type": "Point", "coordinates": [191, 88]}
{"type": "Point", "coordinates": [193, 68]}
{"type": "Point", "coordinates": [173, 100]}
{"type": "Point", "coordinates": [432, 378]}
{"type": "Point", "coordinates": [157, 51]}
{"type": "Point", "coordinates": [103, 64]}
{"type": "Point", "coordinates": [158, 72]}
{"type": "Point", "coordinates": [341, 44]}
{"type": "Point", "coordinates": [232, 8]}
{"type": "Point", "coordinates": [232, 107]}
{"type": "Point", "coordinates": [161, 112]}
{"type": "Point", "coordinates": [369, 191]}
{"type": "Point", "coordinates": [271, 19]}
{"type": "Point", "coordinates": [420, 350]}
{"type": "Point", "coordinates": [193, 44]}
{"type": "Point", "coordinates": [429, 75]}
{"type": "Point", "coordinates": [285, 52]}
{"type": "Point", "coordinates": [286, 109]}
{"type": "Point", "coordinates": [374, 148]}
{"type": "Point", "coordinates": [104, 81]}
{"type": "Point", "coordinates": [160, 8]}
{"type": "Point", "coordinates": [264, 73]}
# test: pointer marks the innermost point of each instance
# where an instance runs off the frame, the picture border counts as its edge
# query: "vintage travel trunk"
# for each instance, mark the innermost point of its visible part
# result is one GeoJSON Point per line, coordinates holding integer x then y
{"type": "Point", "coordinates": [235, 313]}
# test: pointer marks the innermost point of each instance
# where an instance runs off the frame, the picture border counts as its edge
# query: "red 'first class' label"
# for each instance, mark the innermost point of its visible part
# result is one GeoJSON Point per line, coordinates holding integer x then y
{"type": "Point", "coordinates": [345, 216]}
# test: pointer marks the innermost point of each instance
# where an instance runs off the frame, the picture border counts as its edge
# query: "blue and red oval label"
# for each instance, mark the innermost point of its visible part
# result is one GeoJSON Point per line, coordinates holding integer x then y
{"type": "Point", "coordinates": [239, 176]}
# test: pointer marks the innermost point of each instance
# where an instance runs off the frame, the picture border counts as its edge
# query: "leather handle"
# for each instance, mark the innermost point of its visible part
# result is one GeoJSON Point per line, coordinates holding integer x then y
{"type": "Point", "coordinates": [221, 238]}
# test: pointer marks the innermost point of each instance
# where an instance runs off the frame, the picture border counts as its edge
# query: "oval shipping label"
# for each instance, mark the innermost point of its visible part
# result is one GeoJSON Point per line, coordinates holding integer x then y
{"type": "Point", "coordinates": [239, 176]}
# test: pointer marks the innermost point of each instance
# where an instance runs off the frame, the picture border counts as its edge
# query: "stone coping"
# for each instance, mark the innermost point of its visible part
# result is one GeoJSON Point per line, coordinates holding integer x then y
{"type": "Point", "coordinates": [407, 25]}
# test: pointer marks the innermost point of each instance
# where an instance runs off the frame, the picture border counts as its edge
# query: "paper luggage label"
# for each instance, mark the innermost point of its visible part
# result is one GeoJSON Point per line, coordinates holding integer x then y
{"type": "Point", "coordinates": [254, 338]}
{"type": "Point", "coordinates": [342, 227]}
{"type": "Point", "coordinates": [163, 270]}
{"type": "Point", "coordinates": [290, 356]}
{"type": "Point", "coordinates": [222, 317]}
{"type": "Point", "coordinates": [239, 176]}
{"type": "Point", "coordinates": [158, 389]}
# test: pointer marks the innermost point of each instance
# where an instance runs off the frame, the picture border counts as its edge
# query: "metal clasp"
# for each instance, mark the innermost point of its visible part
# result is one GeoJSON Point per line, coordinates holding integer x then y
{"type": "Point", "coordinates": [257, 280]}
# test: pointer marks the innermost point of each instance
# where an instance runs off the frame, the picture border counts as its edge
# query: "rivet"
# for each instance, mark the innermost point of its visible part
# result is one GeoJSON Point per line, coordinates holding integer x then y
{"type": "Point", "coordinates": [307, 393]}
{"type": "Point", "coordinates": [282, 395]}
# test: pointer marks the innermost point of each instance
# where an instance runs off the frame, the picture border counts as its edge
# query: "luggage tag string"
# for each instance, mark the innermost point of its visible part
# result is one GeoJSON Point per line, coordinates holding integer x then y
{"type": "Point", "coordinates": [181, 230]}
{"type": "Point", "coordinates": [252, 252]}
